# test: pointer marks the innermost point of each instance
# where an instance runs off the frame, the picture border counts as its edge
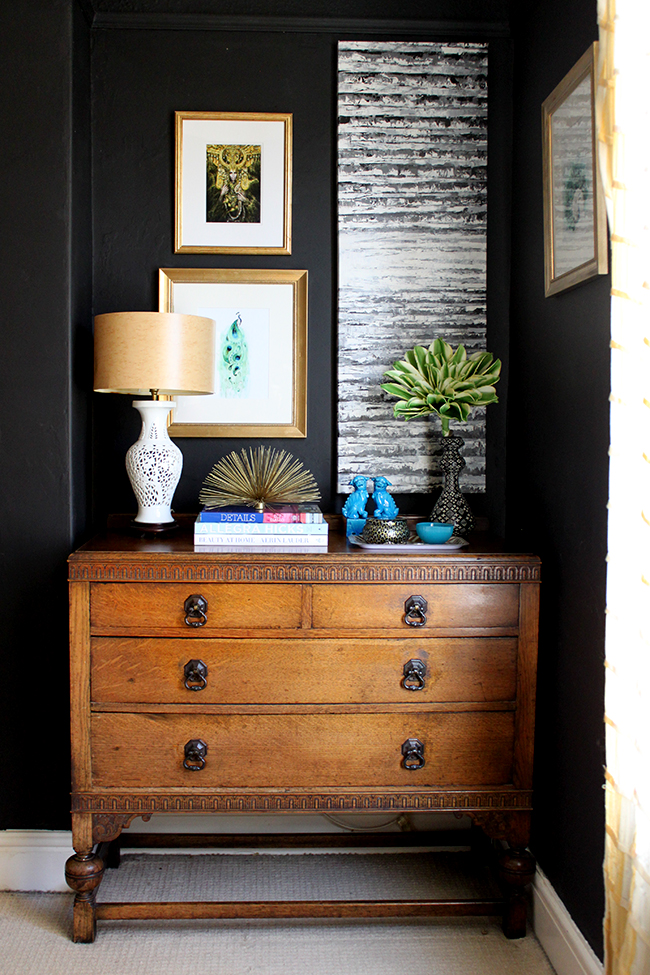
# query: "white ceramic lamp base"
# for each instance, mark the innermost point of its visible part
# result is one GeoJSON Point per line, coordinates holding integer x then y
{"type": "Point", "coordinates": [154, 464]}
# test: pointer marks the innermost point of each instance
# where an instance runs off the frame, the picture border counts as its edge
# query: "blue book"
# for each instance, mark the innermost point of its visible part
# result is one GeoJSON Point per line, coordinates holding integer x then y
{"type": "Point", "coordinates": [280, 514]}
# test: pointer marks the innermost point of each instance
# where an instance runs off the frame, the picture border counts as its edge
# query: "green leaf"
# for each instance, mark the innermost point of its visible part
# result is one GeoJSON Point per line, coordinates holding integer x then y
{"type": "Point", "coordinates": [395, 390]}
{"type": "Point", "coordinates": [401, 409]}
{"type": "Point", "coordinates": [420, 356]}
{"type": "Point", "coordinates": [435, 399]}
{"type": "Point", "coordinates": [403, 378]}
{"type": "Point", "coordinates": [408, 369]}
{"type": "Point", "coordinates": [469, 396]}
{"type": "Point", "coordinates": [459, 355]}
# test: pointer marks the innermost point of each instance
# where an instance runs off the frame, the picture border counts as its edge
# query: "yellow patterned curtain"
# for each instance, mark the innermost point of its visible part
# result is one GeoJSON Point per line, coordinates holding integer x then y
{"type": "Point", "coordinates": [623, 105]}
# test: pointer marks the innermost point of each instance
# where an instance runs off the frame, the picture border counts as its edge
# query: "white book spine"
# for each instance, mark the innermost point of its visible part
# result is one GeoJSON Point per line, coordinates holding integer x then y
{"type": "Point", "coordinates": [263, 549]}
{"type": "Point", "coordinates": [222, 528]}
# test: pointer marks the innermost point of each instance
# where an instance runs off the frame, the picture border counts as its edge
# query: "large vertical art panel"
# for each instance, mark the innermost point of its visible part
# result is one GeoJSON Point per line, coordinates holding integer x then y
{"type": "Point", "coordinates": [412, 155]}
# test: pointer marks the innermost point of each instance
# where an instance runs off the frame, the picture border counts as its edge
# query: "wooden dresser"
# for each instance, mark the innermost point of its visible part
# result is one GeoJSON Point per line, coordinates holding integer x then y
{"type": "Point", "coordinates": [342, 681]}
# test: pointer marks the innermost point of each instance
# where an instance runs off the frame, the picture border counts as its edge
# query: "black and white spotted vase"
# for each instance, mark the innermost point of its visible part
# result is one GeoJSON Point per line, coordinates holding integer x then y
{"type": "Point", "coordinates": [451, 506]}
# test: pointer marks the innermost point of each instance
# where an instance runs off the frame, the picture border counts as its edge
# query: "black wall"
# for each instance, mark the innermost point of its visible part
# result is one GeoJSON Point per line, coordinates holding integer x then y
{"type": "Point", "coordinates": [140, 77]}
{"type": "Point", "coordinates": [76, 246]}
{"type": "Point", "coordinates": [45, 295]}
{"type": "Point", "coordinates": [558, 436]}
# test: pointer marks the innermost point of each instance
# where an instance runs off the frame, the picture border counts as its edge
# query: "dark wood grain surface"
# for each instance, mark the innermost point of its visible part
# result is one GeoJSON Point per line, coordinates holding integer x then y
{"type": "Point", "coordinates": [304, 706]}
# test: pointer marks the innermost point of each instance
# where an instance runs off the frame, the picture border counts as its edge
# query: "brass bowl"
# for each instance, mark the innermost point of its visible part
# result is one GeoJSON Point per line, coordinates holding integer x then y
{"type": "Point", "coordinates": [385, 531]}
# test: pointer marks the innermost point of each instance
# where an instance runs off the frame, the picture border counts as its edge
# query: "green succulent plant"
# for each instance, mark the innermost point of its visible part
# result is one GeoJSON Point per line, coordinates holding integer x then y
{"type": "Point", "coordinates": [443, 381]}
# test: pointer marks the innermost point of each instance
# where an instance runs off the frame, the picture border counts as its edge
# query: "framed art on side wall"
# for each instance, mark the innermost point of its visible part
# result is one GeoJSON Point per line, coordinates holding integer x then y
{"type": "Point", "coordinates": [261, 353]}
{"type": "Point", "coordinates": [233, 183]}
{"type": "Point", "coordinates": [575, 224]}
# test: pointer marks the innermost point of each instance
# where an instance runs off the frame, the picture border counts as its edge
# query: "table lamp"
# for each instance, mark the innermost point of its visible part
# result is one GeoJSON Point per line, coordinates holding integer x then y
{"type": "Point", "coordinates": [166, 355]}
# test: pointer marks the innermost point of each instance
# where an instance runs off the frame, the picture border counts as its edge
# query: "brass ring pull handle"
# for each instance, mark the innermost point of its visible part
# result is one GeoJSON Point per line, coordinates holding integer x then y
{"type": "Point", "coordinates": [195, 752]}
{"type": "Point", "coordinates": [196, 610]}
{"type": "Point", "coordinates": [413, 752]}
{"type": "Point", "coordinates": [414, 678]}
{"type": "Point", "coordinates": [415, 611]}
{"type": "Point", "coordinates": [196, 675]}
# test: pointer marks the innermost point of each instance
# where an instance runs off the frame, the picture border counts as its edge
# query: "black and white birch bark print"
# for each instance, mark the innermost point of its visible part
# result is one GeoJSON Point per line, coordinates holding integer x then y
{"type": "Point", "coordinates": [412, 197]}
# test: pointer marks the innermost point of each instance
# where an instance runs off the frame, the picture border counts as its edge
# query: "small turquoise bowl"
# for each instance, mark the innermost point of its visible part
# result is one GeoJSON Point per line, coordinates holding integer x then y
{"type": "Point", "coordinates": [434, 532]}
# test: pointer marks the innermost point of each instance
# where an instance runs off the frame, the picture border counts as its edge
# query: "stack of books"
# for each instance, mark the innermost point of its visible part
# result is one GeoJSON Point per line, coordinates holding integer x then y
{"type": "Point", "coordinates": [289, 527]}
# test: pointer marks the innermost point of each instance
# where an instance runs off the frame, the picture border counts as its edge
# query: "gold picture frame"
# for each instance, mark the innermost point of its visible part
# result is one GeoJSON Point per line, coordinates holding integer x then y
{"type": "Point", "coordinates": [233, 183]}
{"type": "Point", "coordinates": [575, 223]}
{"type": "Point", "coordinates": [261, 360]}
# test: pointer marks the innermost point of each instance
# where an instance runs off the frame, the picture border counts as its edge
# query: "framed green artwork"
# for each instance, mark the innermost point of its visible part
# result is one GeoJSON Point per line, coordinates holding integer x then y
{"type": "Point", "coordinates": [575, 225]}
{"type": "Point", "coordinates": [260, 382]}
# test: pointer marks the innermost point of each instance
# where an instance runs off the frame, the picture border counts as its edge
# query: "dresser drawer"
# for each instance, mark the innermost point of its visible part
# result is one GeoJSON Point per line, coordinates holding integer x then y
{"type": "Point", "coordinates": [383, 606]}
{"type": "Point", "coordinates": [301, 750]}
{"type": "Point", "coordinates": [149, 670]}
{"type": "Point", "coordinates": [151, 607]}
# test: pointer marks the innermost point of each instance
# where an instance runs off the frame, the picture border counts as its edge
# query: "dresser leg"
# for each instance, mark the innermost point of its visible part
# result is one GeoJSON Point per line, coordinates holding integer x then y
{"type": "Point", "coordinates": [83, 874]}
{"type": "Point", "coordinates": [516, 870]}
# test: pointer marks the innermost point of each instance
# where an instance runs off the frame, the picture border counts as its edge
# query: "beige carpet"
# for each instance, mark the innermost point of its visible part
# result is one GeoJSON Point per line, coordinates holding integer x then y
{"type": "Point", "coordinates": [35, 929]}
{"type": "Point", "coordinates": [315, 876]}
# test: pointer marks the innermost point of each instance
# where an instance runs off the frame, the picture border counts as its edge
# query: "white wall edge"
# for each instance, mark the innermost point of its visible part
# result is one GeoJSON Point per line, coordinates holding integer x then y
{"type": "Point", "coordinates": [33, 859]}
{"type": "Point", "coordinates": [565, 946]}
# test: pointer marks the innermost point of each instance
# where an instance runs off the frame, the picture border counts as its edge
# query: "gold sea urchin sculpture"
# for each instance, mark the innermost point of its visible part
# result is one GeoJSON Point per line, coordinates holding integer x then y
{"type": "Point", "coordinates": [257, 478]}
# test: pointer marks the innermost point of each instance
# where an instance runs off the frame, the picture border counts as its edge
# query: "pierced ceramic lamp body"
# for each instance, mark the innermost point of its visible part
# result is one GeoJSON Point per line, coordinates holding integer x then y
{"type": "Point", "coordinates": [154, 464]}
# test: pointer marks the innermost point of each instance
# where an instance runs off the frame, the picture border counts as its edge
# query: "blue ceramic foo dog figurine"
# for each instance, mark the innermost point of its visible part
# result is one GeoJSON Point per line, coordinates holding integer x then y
{"type": "Point", "coordinates": [385, 506]}
{"type": "Point", "coordinates": [354, 508]}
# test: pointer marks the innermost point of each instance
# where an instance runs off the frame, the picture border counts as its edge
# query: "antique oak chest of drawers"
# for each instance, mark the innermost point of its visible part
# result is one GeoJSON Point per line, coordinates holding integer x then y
{"type": "Point", "coordinates": [347, 680]}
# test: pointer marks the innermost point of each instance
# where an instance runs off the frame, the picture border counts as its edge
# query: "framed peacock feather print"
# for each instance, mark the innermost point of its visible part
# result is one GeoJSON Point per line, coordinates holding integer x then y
{"type": "Point", "coordinates": [233, 183]}
{"type": "Point", "coordinates": [260, 378]}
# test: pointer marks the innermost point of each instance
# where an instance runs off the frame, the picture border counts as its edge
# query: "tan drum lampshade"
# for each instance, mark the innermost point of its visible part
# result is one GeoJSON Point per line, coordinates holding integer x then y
{"type": "Point", "coordinates": [140, 351]}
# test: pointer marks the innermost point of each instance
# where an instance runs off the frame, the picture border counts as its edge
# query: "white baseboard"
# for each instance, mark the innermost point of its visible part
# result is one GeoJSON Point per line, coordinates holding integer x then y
{"type": "Point", "coordinates": [566, 948]}
{"type": "Point", "coordinates": [33, 859]}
